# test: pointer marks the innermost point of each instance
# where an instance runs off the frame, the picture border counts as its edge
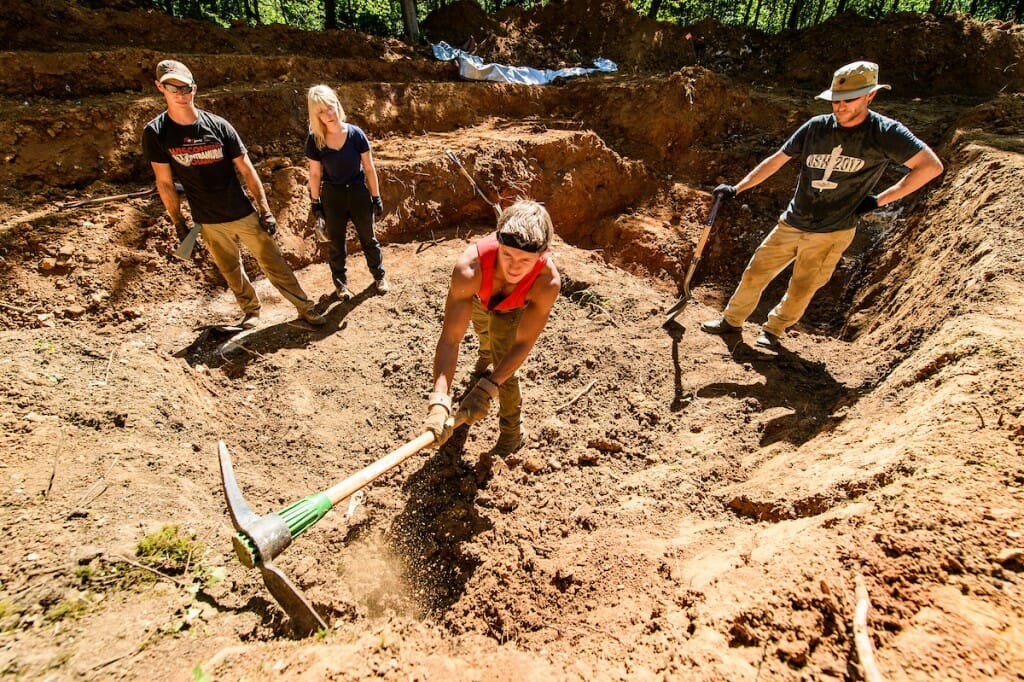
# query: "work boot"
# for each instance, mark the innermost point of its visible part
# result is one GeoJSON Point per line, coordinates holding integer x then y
{"type": "Point", "coordinates": [342, 292]}
{"type": "Point", "coordinates": [382, 285]}
{"type": "Point", "coordinates": [767, 340]}
{"type": "Point", "coordinates": [313, 317]}
{"type": "Point", "coordinates": [509, 443]}
{"type": "Point", "coordinates": [719, 326]}
{"type": "Point", "coordinates": [249, 320]}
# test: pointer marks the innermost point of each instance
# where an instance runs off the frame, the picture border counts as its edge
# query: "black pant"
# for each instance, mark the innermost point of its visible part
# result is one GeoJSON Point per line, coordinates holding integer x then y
{"type": "Point", "coordinates": [341, 203]}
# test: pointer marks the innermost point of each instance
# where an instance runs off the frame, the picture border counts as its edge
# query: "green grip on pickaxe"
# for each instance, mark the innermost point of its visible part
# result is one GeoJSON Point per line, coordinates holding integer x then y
{"type": "Point", "coordinates": [297, 517]}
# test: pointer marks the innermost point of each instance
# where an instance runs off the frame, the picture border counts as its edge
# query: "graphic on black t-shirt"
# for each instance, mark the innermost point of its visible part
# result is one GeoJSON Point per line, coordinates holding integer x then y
{"type": "Point", "coordinates": [198, 155]}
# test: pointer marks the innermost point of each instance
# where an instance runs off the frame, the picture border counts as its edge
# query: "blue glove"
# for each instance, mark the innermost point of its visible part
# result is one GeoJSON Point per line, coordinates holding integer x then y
{"type": "Point", "coordinates": [269, 223]}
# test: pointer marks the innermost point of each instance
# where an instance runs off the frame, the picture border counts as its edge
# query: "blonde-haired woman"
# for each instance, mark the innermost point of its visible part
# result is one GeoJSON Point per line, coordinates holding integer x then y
{"type": "Point", "coordinates": [343, 185]}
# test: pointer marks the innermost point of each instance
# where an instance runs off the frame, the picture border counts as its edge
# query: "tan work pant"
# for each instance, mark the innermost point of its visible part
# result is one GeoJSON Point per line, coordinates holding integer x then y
{"type": "Point", "coordinates": [497, 332]}
{"type": "Point", "coordinates": [222, 241]}
{"type": "Point", "coordinates": [814, 256]}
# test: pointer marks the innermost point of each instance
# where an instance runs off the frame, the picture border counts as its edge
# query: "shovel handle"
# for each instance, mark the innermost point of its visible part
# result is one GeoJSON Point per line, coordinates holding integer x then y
{"type": "Point", "coordinates": [462, 169]}
{"type": "Point", "coordinates": [678, 306]}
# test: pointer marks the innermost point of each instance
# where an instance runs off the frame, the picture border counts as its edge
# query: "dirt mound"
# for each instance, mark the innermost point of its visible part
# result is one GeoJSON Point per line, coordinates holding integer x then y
{"type": "Point", "coordinates": [561, 34]}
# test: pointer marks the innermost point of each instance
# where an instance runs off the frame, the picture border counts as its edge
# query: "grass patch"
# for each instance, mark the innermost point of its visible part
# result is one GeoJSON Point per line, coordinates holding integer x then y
{"type": "Point", "coordinates": [168, 550]}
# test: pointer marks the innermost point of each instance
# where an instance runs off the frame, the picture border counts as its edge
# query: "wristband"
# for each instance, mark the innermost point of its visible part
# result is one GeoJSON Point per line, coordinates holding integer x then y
{"type": "Point", "coordinates": [443, 399]}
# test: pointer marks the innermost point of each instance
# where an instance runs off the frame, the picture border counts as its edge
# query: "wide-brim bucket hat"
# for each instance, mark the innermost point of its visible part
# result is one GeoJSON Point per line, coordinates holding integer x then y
{"type": "Point", "coordinates": [853, 81]}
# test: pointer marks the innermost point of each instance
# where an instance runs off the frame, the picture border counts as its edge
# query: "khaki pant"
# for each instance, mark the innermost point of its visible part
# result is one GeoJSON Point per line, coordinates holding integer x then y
{"type": "Point", "coordinates": [814, 256]}
{"type": "Point", "coordinates": [222, 241]}
{"type": "Point", "coordinates": [497, 333]}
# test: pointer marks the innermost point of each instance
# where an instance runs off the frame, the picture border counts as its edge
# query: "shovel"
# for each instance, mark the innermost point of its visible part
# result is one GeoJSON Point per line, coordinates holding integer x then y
{"type": "Point", "coordinates": [115, 197]}
{"type": "Point", "coordinates": [678, 306]}
{"type": "Point", "coordinates": [260, 539]}
{"type": "Point", "coordinates": [462, 169]}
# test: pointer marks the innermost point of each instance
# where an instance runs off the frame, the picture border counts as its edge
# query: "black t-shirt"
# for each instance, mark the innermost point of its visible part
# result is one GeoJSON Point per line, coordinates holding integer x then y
{"type": "Point", "coordinates": [840, 166]}
{"type": "Point", "coordinates": [201, 157]}
{"type": "Point", "coordinates": [341, 166]}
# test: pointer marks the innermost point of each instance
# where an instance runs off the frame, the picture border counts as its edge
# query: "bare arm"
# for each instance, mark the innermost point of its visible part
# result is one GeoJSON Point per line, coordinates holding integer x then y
{"type": "Point", "coordinates": [538, 308]}
{"type": "Point", "coordinates": [924, 167]}
{"type": "Point", "coordinates": [458, 310]}
{"type": "Point", "coordinates": [316, 171]}
{"type": "Point", "coordinates": [168, 194]}
{"type": "Point", "coordinates": [252, 182]}
{"type": "Point", "coordinates": [763, 171]}
{"type": "Point", "coordinates": [371, 173]}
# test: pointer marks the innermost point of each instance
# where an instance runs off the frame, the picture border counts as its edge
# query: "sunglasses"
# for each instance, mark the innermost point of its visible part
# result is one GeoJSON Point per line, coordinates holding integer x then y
{"type": "Point", "coordinates": [179, 89]}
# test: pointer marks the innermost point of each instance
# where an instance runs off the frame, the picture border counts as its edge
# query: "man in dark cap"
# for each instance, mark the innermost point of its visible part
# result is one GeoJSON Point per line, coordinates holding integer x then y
{"type": "Point", "coordinates": [205, 154]}
{"type": "Point", "coordinates": [842, 156]}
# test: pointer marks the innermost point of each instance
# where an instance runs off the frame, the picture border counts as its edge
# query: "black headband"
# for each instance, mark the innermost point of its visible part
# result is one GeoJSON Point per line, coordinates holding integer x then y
{"type": "Point", "coordinates": [513, 241]}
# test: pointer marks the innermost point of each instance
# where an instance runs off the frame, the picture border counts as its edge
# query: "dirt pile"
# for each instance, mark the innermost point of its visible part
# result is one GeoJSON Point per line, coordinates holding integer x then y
{"type": "Point", "coordinates": [684, 507]}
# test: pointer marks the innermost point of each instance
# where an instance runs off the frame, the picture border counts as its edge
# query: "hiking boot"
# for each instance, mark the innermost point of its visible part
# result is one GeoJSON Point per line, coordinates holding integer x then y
{"type": "Point", "coordinates": [342, 292]}
{"type": "Point", "coordinates": [767, 340]}
{"type": "Point", "coordinates": [719, 326]}
{"type": "Point", "coordinates": [509, 443]}
{"type": "Point", "coordinates": [249, 320]}
{"type": "Point", "coordinates": [313, 317]}
{"type": "Point", "coordinates": [382, 285]}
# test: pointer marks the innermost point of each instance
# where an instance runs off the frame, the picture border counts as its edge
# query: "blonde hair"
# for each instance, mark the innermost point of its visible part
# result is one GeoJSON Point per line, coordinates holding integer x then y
{"type": "Point", "coordinates": [318, 98]}
{"type": "Point", "coordinates": [528, 222]}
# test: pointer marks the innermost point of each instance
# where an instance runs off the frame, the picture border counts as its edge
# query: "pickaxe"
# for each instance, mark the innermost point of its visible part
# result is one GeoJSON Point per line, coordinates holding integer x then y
{"type": "Point", "coordinates": [184, 250]}
{"type": "Point", "coordinates": [115, 197]}
{"type": "Point", "coordinates": [260, 539]}
{"type": "Point", "coordinates": [678, 306]}
{"type": "Point", "coordinates": [462, 169]}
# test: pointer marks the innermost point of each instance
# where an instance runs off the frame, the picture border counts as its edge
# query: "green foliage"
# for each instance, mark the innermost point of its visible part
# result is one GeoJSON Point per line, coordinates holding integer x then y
{"type": "Point", "coordinates": [199, 676]}
{"type": "Point", "coordinates": [168, 550]}
{"type": "Point", "coordinates": [66, 608]}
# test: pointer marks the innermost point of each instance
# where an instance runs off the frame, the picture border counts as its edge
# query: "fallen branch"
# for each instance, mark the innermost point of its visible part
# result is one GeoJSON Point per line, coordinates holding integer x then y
{"type": "Point", "coordinates": [979, 414]}
{"type": "Point", "coordinates": [861, 637]}
{"type": "Point", "coordinates": [8, 306]}
{"type": "Point", "coordinates": [576, 397]}
{"type": "Point", "coordinates": [114, 558]}
{"type": "Point", "coordinates": [89, 497]}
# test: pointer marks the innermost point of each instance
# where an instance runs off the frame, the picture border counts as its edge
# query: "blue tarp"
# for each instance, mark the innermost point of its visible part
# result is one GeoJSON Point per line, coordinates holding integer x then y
{"type": "Point", "coordinates": [473, 68]}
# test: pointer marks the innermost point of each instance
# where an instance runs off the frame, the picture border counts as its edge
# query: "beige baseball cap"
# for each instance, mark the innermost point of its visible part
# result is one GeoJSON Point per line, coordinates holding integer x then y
{"type": "Point", "coordinates": [853, 81]}
{"type": "Point", "coordinates": [170, 69]}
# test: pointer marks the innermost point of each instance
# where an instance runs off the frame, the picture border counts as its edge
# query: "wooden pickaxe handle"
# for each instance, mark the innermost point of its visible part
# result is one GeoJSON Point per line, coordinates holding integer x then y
{"type": "Point", "coordinates": [681, 303]}
{"type": "Point", "coordinates": [115, 197]}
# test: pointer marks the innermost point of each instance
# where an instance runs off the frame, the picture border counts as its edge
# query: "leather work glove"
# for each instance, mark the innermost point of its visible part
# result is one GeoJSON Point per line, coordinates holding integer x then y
{"type": "Point", "coordinates": [181, 228]}
{"type": "Point", "coordinates": [269, 223]}
{"type": "Point", "coordinates": [378, 206]}
{"type": "Point", "coordinates": [867, 204]}
{"type": "Point", "coordinates": [439, 420]}
{"type": "Point", "coordinates": [724, 191]}
{"type": "Point", "coordinates": [316, 210]}
{"type": "Point", "coordinates": [477, 402]}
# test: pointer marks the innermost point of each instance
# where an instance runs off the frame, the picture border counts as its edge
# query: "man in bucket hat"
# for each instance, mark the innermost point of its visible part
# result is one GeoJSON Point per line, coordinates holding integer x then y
{"type": "Point", "coordinates": [204, 152]}
{"type": "Point", "coordinates": [842, 155]}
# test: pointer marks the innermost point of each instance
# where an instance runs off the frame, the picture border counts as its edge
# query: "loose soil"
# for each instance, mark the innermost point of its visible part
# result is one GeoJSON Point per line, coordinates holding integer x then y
{"type": "Point", "coordinates": [687, 507]}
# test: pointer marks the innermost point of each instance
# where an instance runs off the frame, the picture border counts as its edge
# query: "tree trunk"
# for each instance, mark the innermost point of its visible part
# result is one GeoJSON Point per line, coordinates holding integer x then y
{"type": "Point", "coordinates": [411, 23]}
{"type": "Point", "coordinates": [895, 6]}
{"type": "Point", "coordinates": [841, 7]}
{"type": "Point", "coordinates": [793, 22]}
{"type": "Point", "coordinates": [757, 14]}
{"type": "Point", "coordinates": [652, 13]}
{"type": "Point", "coordinates": [935, 7]}
{"type": "Point", "coordinates": [330, 14]}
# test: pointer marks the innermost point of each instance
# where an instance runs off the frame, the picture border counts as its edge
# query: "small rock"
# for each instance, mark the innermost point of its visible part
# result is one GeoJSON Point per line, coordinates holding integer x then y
{"type": "Point", "coordinates": [74, 311]}
{"type": "Point", "coordinates": [533, 465]}
{"type": "Point", "coordinates": [1012, 557]}
{"type": "Point", "coordinates": [48, 264]}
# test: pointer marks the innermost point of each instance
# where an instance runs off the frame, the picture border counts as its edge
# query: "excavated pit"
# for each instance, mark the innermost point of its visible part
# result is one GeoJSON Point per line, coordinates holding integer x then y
{"type": "Point", "coordinates": [683, 508]}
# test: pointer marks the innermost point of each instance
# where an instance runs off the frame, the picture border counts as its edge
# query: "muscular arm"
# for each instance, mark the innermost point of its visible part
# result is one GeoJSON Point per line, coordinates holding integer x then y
{"type": "Point", "coordinates": [538, 308]}
{"type": "Point", "coordinates": [168, 194]}
{"type": "Point", "coordinates": [763, 171]}
{"type": "Point", "coordinates": [924, 167]}
{"type": "Point", "coordinates": [458, 310]}
{"type": "Point", "coordinates": [316, 171]}
{"type": "Point", "coordinates": [371, 173]}
{"type": "Point", "coordinates": [252, 182]}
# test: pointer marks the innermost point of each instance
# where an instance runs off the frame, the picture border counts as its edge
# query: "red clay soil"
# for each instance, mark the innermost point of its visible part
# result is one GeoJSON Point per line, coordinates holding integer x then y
{"type": "Point", "coordinates": [686, 507]}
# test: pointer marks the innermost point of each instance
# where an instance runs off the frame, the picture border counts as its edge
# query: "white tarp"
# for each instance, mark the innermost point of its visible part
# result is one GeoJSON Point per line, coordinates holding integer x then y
{"type": "Point", "coordinates": [473, 68]}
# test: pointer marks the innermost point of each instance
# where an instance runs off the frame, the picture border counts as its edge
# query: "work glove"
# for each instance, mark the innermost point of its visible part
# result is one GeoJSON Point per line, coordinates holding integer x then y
{"type": "Point", "coordinates": [181, 228]}
{"type": "Point", "coordinates": [316, 210]}
{"type": "Point", "coordinates": [477, 402]}
{"type": "Point", "coordinates": [724, 191]}
{"type": "Point", "coordinates": [439, 420]}
{"type": "Point", "coordinates": [378, 206]}
{"type": "Point", "coordinates": [269, 223]}
{"type": "Point", "coordinates": [867, 204]}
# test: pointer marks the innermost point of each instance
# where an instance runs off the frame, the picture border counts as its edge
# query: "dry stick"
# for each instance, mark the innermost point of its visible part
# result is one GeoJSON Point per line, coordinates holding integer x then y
{"type": "Point", "coordinates": [126, 560]}
{"type": "Point", "coordinates": [15, 308]}
{"type": "Point", "coordinates": [106, 372]}
{"type": "Point", "coordinates": [576, 397]}
{"type": "Point", "coordinates": [860, 631]}
{"type": "Point", "coordinates": [85, 500]}
{"type": "Point", "coordinates": [979, 414]}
